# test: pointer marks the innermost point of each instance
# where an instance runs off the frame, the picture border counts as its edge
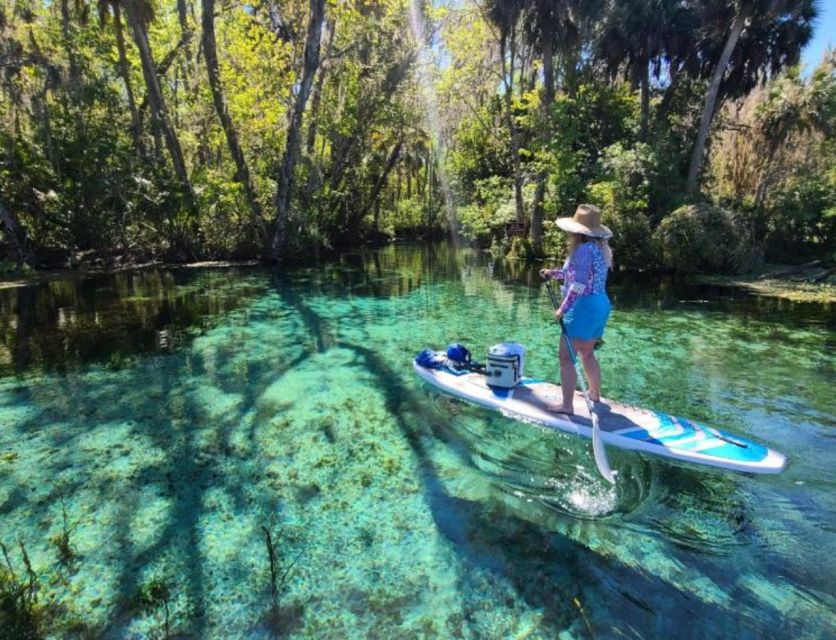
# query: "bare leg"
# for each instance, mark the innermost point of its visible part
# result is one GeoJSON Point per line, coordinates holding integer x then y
{"type": "Point", "coordinates": [568, 381]}
{"type": "Point", "coordinates": [586, 352]}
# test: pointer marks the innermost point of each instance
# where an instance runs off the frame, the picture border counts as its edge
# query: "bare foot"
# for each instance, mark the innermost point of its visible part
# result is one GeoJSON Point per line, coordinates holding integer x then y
{"type": "Point", "coordinates": [560, 408]}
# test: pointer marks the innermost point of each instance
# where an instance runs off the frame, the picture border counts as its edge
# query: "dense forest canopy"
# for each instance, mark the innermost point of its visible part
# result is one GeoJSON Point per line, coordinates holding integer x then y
{"type": "Point", "coordinates": [139, 129]}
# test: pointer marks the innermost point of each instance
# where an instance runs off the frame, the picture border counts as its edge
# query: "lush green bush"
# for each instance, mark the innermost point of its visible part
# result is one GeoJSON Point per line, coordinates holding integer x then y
{"type": "Point", "coordinates": [581, 127]}
{"type": "Point", "coordinates": [623, 198]}
{"type": "Point", "coordinates": [704, 238]}
{"type": "Point", "coordinates": [491, 208]}
{"type": "Point", "coordinates": [802, 221]}
{"type": "Point", "coordinates": [226, 224]}
{"type": "Point", "coordinates": [521, 249]}
{"type": "Point", "coordinates": [479, 153]}
{"type": "Point", "coordinates": [408, 215]}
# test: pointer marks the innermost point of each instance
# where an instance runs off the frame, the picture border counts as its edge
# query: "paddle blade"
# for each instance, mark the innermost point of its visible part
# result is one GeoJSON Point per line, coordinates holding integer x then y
{"type": "Point", "coordinates": [599, 452]}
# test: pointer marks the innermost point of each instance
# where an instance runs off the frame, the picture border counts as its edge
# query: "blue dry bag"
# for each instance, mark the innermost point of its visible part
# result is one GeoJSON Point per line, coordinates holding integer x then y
{"type": "Point", "coordinates": [431, 359]}
{"type": "Point", "coordinates": [458, 354]}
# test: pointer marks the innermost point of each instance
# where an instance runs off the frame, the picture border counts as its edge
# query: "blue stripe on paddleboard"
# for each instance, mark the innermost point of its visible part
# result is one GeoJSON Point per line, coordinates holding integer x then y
{"type": "Point", "coordinates": [668, 433]}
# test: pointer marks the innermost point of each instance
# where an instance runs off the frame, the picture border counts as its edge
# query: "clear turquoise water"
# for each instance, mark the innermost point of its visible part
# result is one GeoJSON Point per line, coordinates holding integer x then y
{"type": "Point", "coordinates": [174, 414]}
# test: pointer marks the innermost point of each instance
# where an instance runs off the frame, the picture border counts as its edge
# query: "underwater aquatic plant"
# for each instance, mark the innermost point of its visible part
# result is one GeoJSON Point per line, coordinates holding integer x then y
{"type": "Point", "coordinates": [276, 616]}
{"type": "Point", "coordinates": [271, 555]}
{"type": "Point", "coordinates": [66, 551]}
{"type": "Point", "coordinates": [153, 595]}
{"type": "Point", "coordinates": [20, 617]}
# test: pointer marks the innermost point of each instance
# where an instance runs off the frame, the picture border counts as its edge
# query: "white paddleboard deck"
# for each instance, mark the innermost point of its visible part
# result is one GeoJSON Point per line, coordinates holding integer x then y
{"type": "Point", "coordinates": [621, 425]}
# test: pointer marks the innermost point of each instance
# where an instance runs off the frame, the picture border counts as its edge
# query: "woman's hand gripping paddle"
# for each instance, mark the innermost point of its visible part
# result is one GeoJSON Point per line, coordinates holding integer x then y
{"type": "Point", "coordinates": [598, 450]}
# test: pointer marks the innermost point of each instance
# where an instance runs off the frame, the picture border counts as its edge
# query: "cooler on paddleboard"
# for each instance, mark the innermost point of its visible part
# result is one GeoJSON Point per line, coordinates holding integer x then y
{"type": "Point", "coordinates": [504, 366]}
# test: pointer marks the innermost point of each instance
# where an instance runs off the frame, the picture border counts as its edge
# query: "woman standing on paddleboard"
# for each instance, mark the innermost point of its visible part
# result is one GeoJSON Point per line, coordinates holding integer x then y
{"type": "Point", "coordinates": [586, 306]}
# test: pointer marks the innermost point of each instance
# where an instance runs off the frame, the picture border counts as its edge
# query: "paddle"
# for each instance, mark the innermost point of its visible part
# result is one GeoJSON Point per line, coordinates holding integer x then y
{"type": "Point", "coordinates": [598, 450]}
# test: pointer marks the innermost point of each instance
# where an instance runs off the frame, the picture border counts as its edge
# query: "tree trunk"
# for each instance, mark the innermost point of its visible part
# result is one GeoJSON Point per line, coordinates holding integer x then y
{"type": "Point", "coordinates": [284, 189]}
{"type": "Point", "coordinates": [124, 71]}
{"type": "Point", "coordinates": [508, 80]}
{"type": "Point", "coordinates": [536, 231]}
{"type": "Point", "coordinates": [316, 96]}
{"type": "Point", "coordinates": [15, 235]}
{"type": "Point", "coordinates": [210, 54]}
{"type": "Point", "coordinates": [156, 100]}
{"type": "Point", "coordinates": [187, 66]}
{"type": "Point", "coordinates": [645, 101]}
{"type": "Point", "coordinates": [161, 70]}
{"type": "Point", "coordinates": [738, 24]}
{"type": "Point", "coordinates": [183, 18]}
{"type": "Point", "coordinates": [378, 186]}
{"type": "Point", "coordinates": [570, 73]}
{"type": "Point", "coordinates": [75, 73]}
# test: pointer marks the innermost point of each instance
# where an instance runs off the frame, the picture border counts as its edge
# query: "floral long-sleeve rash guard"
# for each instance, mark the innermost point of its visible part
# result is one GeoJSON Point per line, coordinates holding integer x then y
{"type": "Point", "coordinates": [584, 274]}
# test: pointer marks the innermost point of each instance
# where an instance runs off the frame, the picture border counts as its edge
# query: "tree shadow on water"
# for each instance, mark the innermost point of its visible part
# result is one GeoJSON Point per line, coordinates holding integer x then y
{"type": "Point", "coordinates": [567, 581]}
{"type": "Point", "coordinates": [552, 573]}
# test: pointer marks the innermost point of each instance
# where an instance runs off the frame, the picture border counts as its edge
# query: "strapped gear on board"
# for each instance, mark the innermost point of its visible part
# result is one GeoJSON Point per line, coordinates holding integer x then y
{"type": "Point", "coordinates": [504, 368]}
{"type": "Point", "coordinates": [456, 360]}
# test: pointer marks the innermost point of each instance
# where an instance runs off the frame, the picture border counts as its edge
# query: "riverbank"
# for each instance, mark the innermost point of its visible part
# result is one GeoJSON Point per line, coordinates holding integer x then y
{"type": "Point", "coordinates": [811, 282]}
{"type": "Point", "coordinates": [37, 277]}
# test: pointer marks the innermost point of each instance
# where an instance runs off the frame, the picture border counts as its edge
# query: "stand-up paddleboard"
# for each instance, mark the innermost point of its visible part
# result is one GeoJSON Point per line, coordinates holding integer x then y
{"type": "Point", "coordinates": [621, 425]}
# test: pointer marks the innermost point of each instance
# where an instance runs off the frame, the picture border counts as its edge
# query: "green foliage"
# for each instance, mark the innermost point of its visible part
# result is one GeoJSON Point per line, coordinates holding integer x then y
{"type": "Point", "coordinates": [10, 268]}
{"type": "Point", "coordinates": [21, 618]}
{"type": "Point", "coordinates": [492, 206]}
{"type": "Point", "coordinates": [673, 133]}
{"type": "Point", "coordinates": [386, 142]}
{"type": "Point", "coordinates": [702, 238]}
{"type": "Point", "coordinates": [480, 149]}
{"type": "Point", "coordinates": [803, 218]}
{"type": "Point", "coordinates": [624, 200]}
{"type": "Point", "coordinates": [554, 241]}
{"type": "Point", "coordinates": [521, 249]}
{"type": "Point", "coordinates": [408, 216]}
{"type": "Point", "coordinates": [226, 226]}
{"type": "Point", "coordinates": [154, 596]}
{"type": "Point", "coordinates": [582, 126]}
{"type": "Point", "coordinates": [779, 170]}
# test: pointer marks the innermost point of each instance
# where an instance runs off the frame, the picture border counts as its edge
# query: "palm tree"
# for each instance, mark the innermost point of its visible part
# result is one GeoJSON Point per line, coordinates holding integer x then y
{"type": "Point", "coordinates": [770, 33]}
{"type": "Point", "coordinates": [641, 36]}
{"type": "Point", "coordinates": [553, 28]}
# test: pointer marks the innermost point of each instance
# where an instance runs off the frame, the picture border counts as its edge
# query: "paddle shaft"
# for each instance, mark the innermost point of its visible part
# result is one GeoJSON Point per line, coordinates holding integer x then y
{"type": "Point", "coordinates": [572, 355]}
{"type": "Point", "coordinates": [597, 443]}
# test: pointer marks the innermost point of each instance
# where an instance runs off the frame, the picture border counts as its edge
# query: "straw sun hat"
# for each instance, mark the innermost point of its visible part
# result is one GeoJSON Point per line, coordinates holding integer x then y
{"type": "Point", "coordinates": [586, 221]}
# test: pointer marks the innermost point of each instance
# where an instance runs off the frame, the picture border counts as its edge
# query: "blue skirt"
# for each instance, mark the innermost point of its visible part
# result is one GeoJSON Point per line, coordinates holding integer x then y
{"type": "Point", "coordinates": [588, 317]}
